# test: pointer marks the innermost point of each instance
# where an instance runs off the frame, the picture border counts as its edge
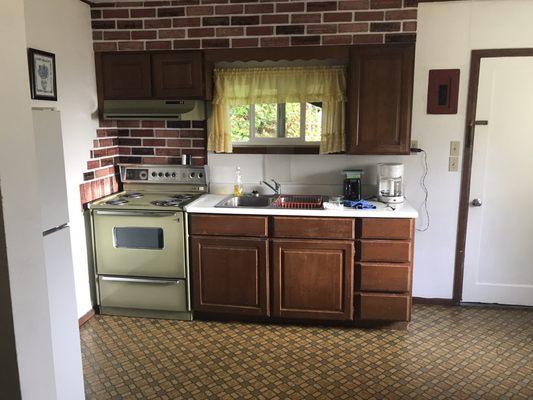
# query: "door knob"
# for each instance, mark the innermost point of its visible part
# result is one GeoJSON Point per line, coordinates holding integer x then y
{"type": "Point", "coordinates": [476, 203]}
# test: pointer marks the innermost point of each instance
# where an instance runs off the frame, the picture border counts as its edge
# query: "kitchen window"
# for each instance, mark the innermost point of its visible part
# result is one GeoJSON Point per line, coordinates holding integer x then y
{"type": "Point", "coordinates": [276, 124]}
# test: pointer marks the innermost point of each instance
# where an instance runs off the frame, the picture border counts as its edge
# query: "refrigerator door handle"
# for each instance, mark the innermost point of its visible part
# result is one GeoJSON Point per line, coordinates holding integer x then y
{"type": "Point", "coordinates": [54, 230]}
{"type": "Point", "coordinates": [140, 280]}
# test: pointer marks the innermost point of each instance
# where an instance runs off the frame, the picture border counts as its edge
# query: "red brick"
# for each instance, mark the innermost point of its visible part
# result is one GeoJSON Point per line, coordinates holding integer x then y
{"type": "Point", "coordinates": [385, 3]}
{"type": "Point", "coordinates": [155, 160]}
{"type": "Point", "coordinates": [104, 46]}
{"type": "Point", "coordinates": [142, 133]}
{"type": "Point", "coordinates": [143, 13]}
{"type": "Point", "coordinates": [98, 35]}
{"type": "Point", "coordinates": [171, 12]}
{"type": "Point", "coordinates": [354, 5]}
{"type": "Point", "coordinates": [93, 164]}
{"type": "Point", "coordinates": [131, 45]}
{"type": "Point", "coordinates": [275, 19]}
{"type": "Point", "coordinates": [275, 42]}
{"type": "Point", "coordinates": [400, 14]}
{"type": "Point", "coordinates": [157, 23]}
{"type": "Point", "coordinates": [336, 39]}
{"type": "Point", "coordinates": [338, 17]}
{"type": "Point", "coordinates": [178, 143]}
{"type": "Point", "coordinates": [96, 14]}
{"type": "Point", "coordinates": [186, 44]}
{"type": "Point", "coordinates": [166, 133]}
{"type": "Point", "coordinates": [233, 31]}
{"type": "Point", "coordinates": [321, 6]}
{"type": "Point", "coordinates": [410, 3]}
{"type": "Point", "coordinates": [400, 38]}
{"type": "Point", "coordinates": [385, 26]}
{"type": "Point", "coordinates": [198, 143]}
{"type": "Point", "coordinates": [152, 124]}
{"type": "Point", "coordinates": [154, 142]}
{"type": "Point", "coordinates": [128, 123]}
{"type": "Point", "coordinates": [409, 26]}
{"type": "Point", "coordinates": [120, 13]}
{"type": "Point", "coordinates": [355, 27]}
{"type": "Point", "coordinates": [201, 32]}
{"type": "Point", "coordinates": [194, 152]}
{"type": "Point", "coordinates": [155, 3]}
{"type": "Point", "coordinates": [103, 24]}
{"type": "Point", "coordinates": [116, 35]}
{"type": "Point", "coordinates": [290, 7]}
{"type": "Point", "coordinates": [248, 42]}
{"type": "Point", "coordinates": [305, 40]}
{"type": "Point", "coordinates": [215, 43]}
{"type": "Point", "coordinates": [229, 9]}
{"type": "Point", "coordinates": [199, 161]}
{"type": "Point", "coordinates": [129, 4]}
{"type": "Point", "coordinates": [259, 8]}
{"type": "Point", "coordinates": [192, 134]}
{"type": "Point", "coordinates": [306, 18]}
{"type": "Point", "coordinates": [171, 33]}
{"type": "Point", "coordinates": [130, 24]}
{"type": "Point", "coordinates": [323, 28]}
{"type": "Point", "coordinates": [144, 35]}
{"type": "Point", "coordinates": [259, 30]}
{"type": "Point", "coordinates": [369, 16]}
{"type": "Point", "coordinates": [167, 152]}
{"type": "Point", "coordinates": [200, 10]}
{"type": "Point", "coordinates": [245, 20]}
{"type": "Point", "coordinates": [159, 45]}
{"type": "Point", "coordinates": [124, 151]}
{"type": "Point", "coordinates": [186, 22]}
{"type": "Point", "coordinates": [367, 39]}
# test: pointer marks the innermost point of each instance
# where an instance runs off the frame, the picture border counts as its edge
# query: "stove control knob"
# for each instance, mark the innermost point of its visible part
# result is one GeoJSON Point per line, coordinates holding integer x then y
{"type": "Point", "coordinates": [173, 174]}
{"type": "Point", "coordinates": [160, 174]}
{"type": "Point", "coordinates": [200, 175]}
{"type": "Point", "coordinates": [167, 175]}
{"type": "Point", "coordinates": [154, 174]}
{"type": "Point", "coordinates": [191, 175]}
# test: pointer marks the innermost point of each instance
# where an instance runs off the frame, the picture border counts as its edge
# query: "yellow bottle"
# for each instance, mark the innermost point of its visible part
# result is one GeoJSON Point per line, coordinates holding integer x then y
{"type": "Point", "coordinates": [238, 189]}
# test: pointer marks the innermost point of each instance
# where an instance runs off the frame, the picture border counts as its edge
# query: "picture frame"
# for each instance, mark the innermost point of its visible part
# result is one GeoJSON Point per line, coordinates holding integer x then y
{"type": "Point", "coordinates": [43, 78]}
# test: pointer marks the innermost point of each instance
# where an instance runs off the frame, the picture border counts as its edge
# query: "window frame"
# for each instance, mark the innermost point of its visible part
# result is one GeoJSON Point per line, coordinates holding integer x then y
{"type": "Point", "coordinates": [280, 140]}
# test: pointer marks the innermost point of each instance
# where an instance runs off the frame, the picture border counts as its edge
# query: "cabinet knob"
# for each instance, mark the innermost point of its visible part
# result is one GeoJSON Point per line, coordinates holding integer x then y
{"type": "Point", "coordinates": [476, 203]}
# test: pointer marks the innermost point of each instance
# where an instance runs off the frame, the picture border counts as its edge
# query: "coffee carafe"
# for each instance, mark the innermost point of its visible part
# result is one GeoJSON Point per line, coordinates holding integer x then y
{"type": "Point", "coordinates": [353, 184]}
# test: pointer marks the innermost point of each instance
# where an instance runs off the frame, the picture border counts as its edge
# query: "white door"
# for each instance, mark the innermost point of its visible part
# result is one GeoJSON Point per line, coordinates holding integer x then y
{"type": "Point", "coordinates": [499, 245]}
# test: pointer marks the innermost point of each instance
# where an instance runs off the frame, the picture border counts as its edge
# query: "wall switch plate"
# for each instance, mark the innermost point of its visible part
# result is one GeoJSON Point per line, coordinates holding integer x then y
{"type": "Point", "coordinates": [455, 147]}
{"type": "Point", "coordinates": [414, 144]}
{"type": "Point", "coordinates": [453, 164]}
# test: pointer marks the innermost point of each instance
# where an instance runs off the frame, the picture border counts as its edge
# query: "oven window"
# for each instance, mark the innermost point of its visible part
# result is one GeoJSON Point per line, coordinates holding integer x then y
{"type": "Point", "coordinates": [139, 238]}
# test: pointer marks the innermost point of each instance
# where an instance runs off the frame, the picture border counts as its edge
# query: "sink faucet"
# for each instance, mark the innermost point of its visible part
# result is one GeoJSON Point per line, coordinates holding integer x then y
{"type": "Point", "coordinates": [276, 187]}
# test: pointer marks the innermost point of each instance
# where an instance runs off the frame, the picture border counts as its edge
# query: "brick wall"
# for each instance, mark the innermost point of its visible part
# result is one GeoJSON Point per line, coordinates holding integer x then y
{"type": "Point", "coordinates": [195, 24]}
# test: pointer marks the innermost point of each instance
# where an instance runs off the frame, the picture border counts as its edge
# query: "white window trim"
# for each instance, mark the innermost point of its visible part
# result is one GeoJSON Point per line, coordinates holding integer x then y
{"type": "Point", "coordinates": [279, 141]}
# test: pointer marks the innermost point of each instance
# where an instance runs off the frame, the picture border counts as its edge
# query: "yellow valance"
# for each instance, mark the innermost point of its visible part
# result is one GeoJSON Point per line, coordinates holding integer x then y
{"type": "Point", "coordinates": [239, 86]}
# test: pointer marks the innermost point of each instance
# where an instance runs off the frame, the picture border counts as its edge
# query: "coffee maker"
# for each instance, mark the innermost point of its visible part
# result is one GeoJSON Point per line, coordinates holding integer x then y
{"type": "Point", "coordinates": [390, 183]}
{"type": "Point", "coordinates": [353, 184]}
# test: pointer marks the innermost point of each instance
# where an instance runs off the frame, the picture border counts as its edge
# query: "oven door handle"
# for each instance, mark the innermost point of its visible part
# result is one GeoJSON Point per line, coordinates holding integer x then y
{"type": "Point", "coordinates": [139, 280]}
{"type": "Point", "coordinates": [137, 213]}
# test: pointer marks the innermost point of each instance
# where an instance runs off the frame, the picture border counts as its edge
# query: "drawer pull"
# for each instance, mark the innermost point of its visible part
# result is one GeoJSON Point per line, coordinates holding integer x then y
{"type": "Point", "coordinates": [135, 280]}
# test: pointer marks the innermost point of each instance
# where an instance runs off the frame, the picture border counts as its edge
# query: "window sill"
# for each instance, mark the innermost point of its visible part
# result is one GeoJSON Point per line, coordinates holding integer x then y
{"type": "Point", "coordinates": [276, 149]}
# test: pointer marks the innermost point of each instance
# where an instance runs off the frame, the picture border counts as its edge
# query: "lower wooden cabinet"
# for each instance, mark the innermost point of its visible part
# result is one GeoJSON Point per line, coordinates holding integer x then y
{"type": "Point", "coordinates": [383, 307]}
{"type": "Point", "coordinates": [312, 279]}
{"type": "Point", "coordinates": [230, 275]}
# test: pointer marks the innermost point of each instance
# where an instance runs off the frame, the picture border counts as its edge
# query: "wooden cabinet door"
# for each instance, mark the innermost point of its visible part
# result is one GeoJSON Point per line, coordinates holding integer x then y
{"type": "Point", "coordinates": [380, 91]}
{"type": "Point", "coordinates": [313, 279]}
{"type": "Point", "coordinates": [126, 76]}
{"type": "Point", "coordinates": [177, 75]}
{"type": "Point", "coordinates": [230, 275]}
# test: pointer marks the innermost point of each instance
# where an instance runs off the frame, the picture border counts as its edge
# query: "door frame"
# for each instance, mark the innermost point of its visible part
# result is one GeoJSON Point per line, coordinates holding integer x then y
{"type": "Point", "coordinates": [468, 151]}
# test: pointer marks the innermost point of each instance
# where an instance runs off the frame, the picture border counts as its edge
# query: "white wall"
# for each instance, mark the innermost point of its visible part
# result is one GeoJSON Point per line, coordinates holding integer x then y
{"type": "Point", "coordinates": [447, 32]}
{"type": "Point", "coordinates": [63, 27]}
{"type": "Point", "coordinates": [31, 316]}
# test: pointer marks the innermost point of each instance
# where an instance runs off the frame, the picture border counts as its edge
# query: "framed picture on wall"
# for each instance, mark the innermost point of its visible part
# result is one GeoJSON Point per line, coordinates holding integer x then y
{"type": "Point", "coordinates": [42, 67]}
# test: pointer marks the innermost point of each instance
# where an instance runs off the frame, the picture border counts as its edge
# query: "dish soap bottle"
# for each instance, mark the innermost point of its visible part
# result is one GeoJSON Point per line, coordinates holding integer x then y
{"type": "Point", "coordinates": [238, 190]}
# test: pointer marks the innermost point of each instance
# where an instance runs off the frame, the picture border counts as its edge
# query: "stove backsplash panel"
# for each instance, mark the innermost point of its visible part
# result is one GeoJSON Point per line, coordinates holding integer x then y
{"type": "Point", "coordinates": [139, 142]}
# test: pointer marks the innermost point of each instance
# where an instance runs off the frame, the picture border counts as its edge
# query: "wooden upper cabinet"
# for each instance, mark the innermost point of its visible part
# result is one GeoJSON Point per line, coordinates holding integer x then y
{"type": "Point", "coordinates": [177, 75]}
{"type": "Point", "coordinates": [380, 91]}
{"type": "Point", "coordinates": [126, 76]}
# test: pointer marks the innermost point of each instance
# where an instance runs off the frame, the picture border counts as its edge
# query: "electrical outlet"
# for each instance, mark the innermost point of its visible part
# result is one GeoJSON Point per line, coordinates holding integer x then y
{"type": "Point", "coordinates": [414, 144]}
{"type": "Point", "coordinates": [453, 164]}
{"type": "Point", "coordinates": [455, 147]}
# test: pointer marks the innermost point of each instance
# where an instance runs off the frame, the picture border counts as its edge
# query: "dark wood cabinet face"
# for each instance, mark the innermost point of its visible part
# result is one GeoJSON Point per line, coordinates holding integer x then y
{"type": "Point", "coordinates": [312, 279]}
{"type": "Point", "coordinates": [177, 75]}
{"type": "Point", "coordinates": [379, 100]}
{"type": "Point", "coordinates": [230, 275]}
{"type": "Point", "coordinates": [126, 76]}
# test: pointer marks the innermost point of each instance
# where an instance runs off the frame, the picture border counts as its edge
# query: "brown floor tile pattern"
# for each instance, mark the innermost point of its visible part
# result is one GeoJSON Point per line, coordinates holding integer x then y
{"type": "Point", "coordinates": [447, 353]}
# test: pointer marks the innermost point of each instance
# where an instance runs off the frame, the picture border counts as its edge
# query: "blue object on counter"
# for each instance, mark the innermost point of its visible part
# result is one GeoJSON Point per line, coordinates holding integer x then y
{"type": "Point", "coordinates": [359, 205]}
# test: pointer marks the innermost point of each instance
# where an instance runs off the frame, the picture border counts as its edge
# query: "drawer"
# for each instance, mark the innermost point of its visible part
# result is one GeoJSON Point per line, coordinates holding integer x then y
{"type": "Point", "coordinates": [383, 307]}
{"type": "Point", "coordinates": [145, 294]}
{"type": "Point", "coordinates": [385, 228]}
{"type": "Point", "coordinates": [229, 225]}
{"type": "Point", "coordinates": [314, 228]}
{"type": "Point", "coordinates": [384, 251]}
{"type": "Point", "coordinates": [377, 277]}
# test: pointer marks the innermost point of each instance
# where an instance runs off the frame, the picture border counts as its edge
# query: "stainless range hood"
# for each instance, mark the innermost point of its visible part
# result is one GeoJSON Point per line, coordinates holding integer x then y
{"type": "Point", "coordinates": [188, 110]}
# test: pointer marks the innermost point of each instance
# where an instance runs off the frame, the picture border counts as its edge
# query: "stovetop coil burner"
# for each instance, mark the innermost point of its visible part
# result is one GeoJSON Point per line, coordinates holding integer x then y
{"type": "Point", "coordinates": [132, 195]}
{"type": "Point", "coordinates": [165, 203]}
{"type": "Point", "coordinates": [116, 202]}
{"type": "Point", "coordinates": [182, 196]}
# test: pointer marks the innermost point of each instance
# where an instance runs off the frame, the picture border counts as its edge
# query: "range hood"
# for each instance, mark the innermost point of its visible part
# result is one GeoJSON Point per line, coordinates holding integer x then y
{"type": "Point", "coordinates": [187, 110]}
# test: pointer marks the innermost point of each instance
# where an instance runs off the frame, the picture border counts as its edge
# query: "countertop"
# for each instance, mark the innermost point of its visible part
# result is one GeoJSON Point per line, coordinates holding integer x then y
{"type": "Point", "coordinates": [206, 205]}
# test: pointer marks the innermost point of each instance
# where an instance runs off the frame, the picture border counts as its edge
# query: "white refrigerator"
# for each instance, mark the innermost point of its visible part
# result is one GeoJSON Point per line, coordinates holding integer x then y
{"type": "Point", "coordinates": [58, 256]}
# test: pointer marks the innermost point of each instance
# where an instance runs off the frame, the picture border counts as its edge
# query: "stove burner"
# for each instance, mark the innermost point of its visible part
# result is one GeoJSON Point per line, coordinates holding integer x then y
{"type": "Point", "coordinates": [116, 202]}
{"type": "Point", "coordinates": [182, 197]}
{"type": "Point", "coordinates": [165, 203]}
{"type": "Point", "coordinates": [132, 195]}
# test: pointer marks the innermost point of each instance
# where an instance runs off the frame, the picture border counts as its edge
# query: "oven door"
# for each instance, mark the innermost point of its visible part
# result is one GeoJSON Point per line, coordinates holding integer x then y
{"type": "Point", "coordinates": [140, 243]}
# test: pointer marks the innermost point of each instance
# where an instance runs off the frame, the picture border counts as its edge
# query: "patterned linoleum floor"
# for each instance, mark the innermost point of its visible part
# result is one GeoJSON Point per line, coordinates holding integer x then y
{"type": "Point", "coordinates": [447, 353]}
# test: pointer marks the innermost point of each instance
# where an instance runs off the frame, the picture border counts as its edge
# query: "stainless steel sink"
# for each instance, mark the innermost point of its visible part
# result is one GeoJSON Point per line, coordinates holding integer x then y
{"type": "Point", "coordinates": [247, 201]}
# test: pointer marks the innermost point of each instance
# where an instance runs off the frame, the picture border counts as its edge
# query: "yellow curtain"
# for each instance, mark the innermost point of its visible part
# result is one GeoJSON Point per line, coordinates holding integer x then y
{"type": "Point", "coordinates": [238, 86]}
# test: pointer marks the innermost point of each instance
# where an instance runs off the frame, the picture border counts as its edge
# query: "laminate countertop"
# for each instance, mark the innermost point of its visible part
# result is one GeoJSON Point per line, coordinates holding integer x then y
{"type": "Point", "coordinates": [206, 205]}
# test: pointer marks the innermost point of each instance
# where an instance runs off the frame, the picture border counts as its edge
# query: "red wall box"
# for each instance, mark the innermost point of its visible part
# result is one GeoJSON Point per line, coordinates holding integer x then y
{"type": "Point", "coordinates": [443, 91]}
